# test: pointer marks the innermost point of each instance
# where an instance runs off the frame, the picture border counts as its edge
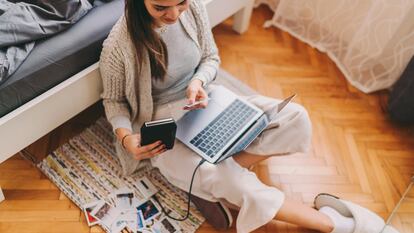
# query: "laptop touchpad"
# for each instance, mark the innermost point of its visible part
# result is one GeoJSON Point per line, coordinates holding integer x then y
{"type": "Point", "coordinates": [196, 120]}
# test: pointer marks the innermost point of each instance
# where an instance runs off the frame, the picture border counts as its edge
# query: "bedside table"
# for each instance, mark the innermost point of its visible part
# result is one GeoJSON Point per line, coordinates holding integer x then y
{"type": "Point", "coordinates": [220, 10]}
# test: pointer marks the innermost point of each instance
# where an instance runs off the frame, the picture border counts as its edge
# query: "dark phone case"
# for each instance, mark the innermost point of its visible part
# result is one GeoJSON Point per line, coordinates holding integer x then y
{"type": "Point", "coordinates": [164, 132]}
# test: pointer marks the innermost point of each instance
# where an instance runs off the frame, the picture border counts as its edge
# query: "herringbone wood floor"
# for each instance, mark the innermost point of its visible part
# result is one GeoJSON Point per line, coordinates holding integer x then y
{"type": "Point", "coordinates": [356, 153]}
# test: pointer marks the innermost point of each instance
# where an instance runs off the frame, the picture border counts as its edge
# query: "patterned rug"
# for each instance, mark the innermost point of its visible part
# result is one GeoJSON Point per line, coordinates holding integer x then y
{"type": "Point", "coordinates": [86, 169]}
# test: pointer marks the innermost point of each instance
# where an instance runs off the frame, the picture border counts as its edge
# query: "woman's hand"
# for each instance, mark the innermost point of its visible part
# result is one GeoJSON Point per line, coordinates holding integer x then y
{"type": "Point", "coordinates": [196, 92]}
{"type": "Point", "coordinates": [132, 145]}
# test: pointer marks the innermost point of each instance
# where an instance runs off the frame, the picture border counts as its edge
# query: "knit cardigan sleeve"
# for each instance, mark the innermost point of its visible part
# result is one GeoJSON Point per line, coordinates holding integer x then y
{"type": "Point", "coordinates": [210, 59]}
{"type": "Point", "coordinates": [113, 78]}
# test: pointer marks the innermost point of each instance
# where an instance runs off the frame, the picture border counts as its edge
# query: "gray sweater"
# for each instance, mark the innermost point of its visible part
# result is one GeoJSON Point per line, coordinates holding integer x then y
{"type": "Point", "coordinates": [183, 57]}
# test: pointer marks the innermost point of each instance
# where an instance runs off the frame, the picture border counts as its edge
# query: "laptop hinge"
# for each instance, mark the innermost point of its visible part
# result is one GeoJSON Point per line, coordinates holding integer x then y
{"type": "Point", "coordinates": [262, 121]}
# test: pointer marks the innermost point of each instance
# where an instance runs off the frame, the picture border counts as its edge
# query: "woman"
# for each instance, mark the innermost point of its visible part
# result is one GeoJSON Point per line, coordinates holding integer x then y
{"type": "Point", "coordinates": [160, 56]}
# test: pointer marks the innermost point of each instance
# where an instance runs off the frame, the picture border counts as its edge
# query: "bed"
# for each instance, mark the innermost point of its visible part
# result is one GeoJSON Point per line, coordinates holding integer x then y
{"type": "Point", "coordinates": [60, 78]}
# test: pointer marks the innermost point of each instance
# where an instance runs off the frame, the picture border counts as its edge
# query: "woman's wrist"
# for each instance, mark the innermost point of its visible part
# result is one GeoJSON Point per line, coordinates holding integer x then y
{"type": "Point", "coordinates": [123, 140]}
{"type": "Point", "coordinates": [122, 132]}
{"type": "Point", "coordinates": [199, 81]}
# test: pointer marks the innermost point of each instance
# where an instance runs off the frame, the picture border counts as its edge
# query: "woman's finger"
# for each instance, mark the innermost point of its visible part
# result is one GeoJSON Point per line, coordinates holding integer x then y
{"type": "Point", "coordinates": [203, 104]}
{"type": "Point", "coordinates": [202, 95]}
{"type": "Point", "coordinates": [143, 153]}
{"type": "Point", "coordinates": [149, 147]}
{"type": "Point", "coordinates": [156, 151]}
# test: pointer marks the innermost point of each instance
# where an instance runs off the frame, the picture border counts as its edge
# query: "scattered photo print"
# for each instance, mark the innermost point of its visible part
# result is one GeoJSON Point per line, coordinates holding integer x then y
{"type": "Point", "coordinates": [118, 225]}
{"type": "Point", "coordinates": [128, 220]}
{"type": "Point", "coordinates": [87, 209]}
{"type": "Point", "coordinates": [106, 213]}
{"type": "Point", "coordinates": [146, 188]}
{"type": "Point", "coordinates": [124, 199]}
{"type": "Point", "coordinates": [140, 221]}
{"type": "Point", "coordinates": [149, 210]}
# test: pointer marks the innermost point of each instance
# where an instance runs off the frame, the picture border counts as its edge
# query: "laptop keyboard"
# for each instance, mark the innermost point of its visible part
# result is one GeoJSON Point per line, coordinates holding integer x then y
{"type": "Point", "coordinates": [212, 138]}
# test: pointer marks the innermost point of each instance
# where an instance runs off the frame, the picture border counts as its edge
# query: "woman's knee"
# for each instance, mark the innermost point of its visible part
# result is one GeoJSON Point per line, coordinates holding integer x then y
{"type": "Point", "coordinates": [302, 120]}
{"type": "Point", "coordinates": [303, 117]}
{"type": "Point", "coordinates": [300, 126]}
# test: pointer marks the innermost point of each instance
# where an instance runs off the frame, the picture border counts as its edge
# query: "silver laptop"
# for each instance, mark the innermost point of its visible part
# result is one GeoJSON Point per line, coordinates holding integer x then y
{"type": "Point", "coordinates": [227, 126]}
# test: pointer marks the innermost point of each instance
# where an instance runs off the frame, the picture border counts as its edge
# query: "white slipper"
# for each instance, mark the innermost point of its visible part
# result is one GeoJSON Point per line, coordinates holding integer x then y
{"type": "Point", "coordinates": [366, 221]}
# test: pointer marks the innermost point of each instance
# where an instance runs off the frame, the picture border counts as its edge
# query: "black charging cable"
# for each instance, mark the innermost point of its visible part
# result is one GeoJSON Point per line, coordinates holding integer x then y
{"type": "Point", "coordinates": [189, 197]}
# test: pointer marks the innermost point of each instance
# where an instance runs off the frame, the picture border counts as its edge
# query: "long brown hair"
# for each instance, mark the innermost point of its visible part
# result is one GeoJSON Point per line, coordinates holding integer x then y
{"type": "Point", "coordinates": [140, 27]}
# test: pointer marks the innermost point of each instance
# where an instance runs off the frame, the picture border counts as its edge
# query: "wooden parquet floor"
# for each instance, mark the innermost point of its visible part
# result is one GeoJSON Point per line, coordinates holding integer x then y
{"type": "Point", "coordinates": [357, 153]}
{"type": "Point", "coordinates": [403, 219]}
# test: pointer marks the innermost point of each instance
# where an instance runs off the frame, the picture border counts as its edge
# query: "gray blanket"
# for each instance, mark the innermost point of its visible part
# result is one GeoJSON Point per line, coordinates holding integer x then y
{"type": "Point", "coordinates": [22, 22]}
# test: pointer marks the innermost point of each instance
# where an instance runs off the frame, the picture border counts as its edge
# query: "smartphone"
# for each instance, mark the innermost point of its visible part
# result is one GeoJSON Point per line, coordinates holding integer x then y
{"type": "Point", "coordinates": [195, 103]}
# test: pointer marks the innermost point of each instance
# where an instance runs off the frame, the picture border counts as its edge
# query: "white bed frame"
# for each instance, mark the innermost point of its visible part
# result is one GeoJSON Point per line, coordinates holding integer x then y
{"type": "Point", "coordinates": [1, 195]}
{"type": "Point", "coordinates": [46, 112]}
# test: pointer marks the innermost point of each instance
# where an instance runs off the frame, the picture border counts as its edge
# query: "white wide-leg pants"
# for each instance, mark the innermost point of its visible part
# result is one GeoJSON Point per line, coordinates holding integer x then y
{"type": "Point", "coordinates": [290, 132]}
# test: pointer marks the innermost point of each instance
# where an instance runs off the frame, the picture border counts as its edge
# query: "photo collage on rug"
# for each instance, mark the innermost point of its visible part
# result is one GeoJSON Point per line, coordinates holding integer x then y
{"type": "Point", "coordinates": [87, 171]}
{"type": "Point", "coordinates": [126, 213]}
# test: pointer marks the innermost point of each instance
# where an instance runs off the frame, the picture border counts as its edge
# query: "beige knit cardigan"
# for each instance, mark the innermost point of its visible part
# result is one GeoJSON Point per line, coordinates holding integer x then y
{"type": "Point", "coordinates": [127, 92]}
